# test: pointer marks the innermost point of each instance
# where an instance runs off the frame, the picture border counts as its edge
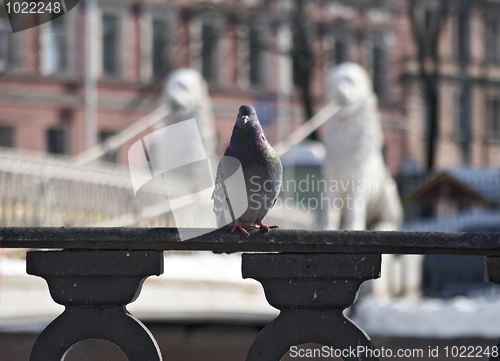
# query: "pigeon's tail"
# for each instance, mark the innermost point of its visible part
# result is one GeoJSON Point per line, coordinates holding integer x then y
{"type": "Point", "coordinates": [221, 209]}
{"type": "Point", "coordinates": [222, 214]}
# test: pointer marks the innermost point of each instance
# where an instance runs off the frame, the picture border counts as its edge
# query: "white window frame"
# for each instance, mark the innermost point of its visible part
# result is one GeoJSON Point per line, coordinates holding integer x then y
{"type": "Point", "coordinates": [492, 137]}
{"type": "Point", "coordinates": [219, 22]}
{"type": "Point", "coordinates": [329, 39]}
{"type": "Point", "coordinates": [67, 132]}
{"type": "Point", "coordinates": [14, 130]}
{"type": "Point", "coordinates": [490, 56]}
{"type": "Point", "coordinates": [17, 47]}
{"type": "Point", "coordinates": [5, 26]}
{"type": "Point", "coordinates": [243, 56]}
{"type": "Point", "coordinates": [380, 40]}
{"type": "Point", "coordinates": [385, 76]}
{"type": "Point", "coordinates": [122, 12]}
{"type": "Point", "coordinates": [255, 4]}
{"type": "Point", "coordinates": [71, 29]}
{"type": "Point", "coordinates": [456, 36]}
{"type": "Point", "coordinates": [148, 15]}
{"type": "Point", "coordinates": [458, 136]}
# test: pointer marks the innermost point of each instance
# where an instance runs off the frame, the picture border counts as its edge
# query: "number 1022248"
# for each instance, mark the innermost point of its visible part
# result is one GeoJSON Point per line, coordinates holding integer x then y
{"type": "Point", "coordinates": [32, 7]}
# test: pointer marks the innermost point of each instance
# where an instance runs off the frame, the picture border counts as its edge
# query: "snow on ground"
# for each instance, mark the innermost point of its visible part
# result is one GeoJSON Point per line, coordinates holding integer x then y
{"type": "Point", "coordinates": [202, 285]}
{"type": "Point", "coordinates": [429, 317]}
{"type": "Point", "coordinates": [194, 286]}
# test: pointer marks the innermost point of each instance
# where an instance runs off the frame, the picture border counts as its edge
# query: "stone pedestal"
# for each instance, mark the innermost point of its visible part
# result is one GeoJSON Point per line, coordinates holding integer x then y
{"type": "Point", "coordinates": [311, 291]}
{"type": "Point", "coordinates": [95, 286]}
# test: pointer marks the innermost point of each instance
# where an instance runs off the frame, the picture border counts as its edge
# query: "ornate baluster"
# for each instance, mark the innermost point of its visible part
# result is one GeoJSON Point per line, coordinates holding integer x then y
{"type": "Point", "coordinates": [492, 275]}
{"type": "Point", "coordinates": [311, 291]}
{"type": "Point", "coordinates": [95, 287]}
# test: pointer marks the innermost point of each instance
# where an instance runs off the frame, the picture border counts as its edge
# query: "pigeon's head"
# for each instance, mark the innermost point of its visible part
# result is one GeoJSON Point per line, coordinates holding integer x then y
{"type": "Point", "coordinates": [246, 115]}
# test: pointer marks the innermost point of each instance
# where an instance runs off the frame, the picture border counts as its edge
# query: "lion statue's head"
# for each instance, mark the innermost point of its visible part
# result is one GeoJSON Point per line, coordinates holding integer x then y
{"type": "Point", "coordinates": [186, 93]}
{"type": "Point", "coordinates": [350, 84]}
{"type": "Point", "coordinates": [355, 132]}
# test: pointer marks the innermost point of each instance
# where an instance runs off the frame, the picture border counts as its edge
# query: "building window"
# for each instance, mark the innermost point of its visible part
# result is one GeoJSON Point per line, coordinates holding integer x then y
{"type": "Point", "coordinates": [58, 141]}
{"type": "Point", "coordinates": [209, 52]}
{"type": "Point", "coordinates": [463, 36]}
{"type": "Point", "coordinates": [7, 136]}
{"type": "Point", "coordinates": [461, 122]}
{"type": "Point", "coordinates": [301, 65]}
{"type": "Point", "coordinates": [110, 46]}
{"type": "Point", "coordinates": [159, 57]}
{"type": "Point", "coordinates": [340, 54]}
{"type": "Point", "coordinates": [493, 41]}
{"type": "Point", "coordinates": [6, 48]}
{"type": "Point", "coordinates": [111, 157]}
{"type": "Point", "coordinates": [255, 58]}
{"type": "Point", "coordinates": [428, 15]}
{"type": "Point", "coordinates": [378, 68]}
{"type": "Point", "coordinates": [494, 119]}
{"type": "Point", "coordinates": [295, 69]}
{"type": "Point", "coordinates": [56, 52]}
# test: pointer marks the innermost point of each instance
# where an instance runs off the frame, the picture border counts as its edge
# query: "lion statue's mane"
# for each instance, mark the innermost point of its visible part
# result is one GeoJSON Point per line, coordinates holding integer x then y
{"type": "Point", "coordinates": [186, 92]}
{"type": "Point", "coordinates": [353, 140]}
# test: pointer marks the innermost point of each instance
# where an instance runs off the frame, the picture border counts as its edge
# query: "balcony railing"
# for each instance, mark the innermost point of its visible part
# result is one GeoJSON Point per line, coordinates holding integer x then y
{"type": "Point", "coordinates": [310, 276]}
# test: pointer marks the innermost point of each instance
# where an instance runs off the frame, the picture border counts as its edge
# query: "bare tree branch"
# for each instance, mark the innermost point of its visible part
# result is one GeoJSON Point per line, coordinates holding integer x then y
{"type": "Point", "coordinates": [303, 59]}
{"type": "Point", "coordinates": [427, 24]}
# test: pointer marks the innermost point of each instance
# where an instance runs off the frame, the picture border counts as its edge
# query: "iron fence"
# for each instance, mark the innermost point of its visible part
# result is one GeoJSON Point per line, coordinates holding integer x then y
{"type": "Point", "coordinates": [42, 190]}
{"type": "Point", "coordinates": [310, 276]}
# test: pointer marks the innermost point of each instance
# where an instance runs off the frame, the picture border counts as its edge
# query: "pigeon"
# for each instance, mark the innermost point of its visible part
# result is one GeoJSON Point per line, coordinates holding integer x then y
{"type": "Point", "coordinates": [262, 171]}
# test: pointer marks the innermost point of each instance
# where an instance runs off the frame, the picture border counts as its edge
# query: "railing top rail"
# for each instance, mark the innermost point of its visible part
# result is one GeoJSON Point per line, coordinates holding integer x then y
{"type": "Point", "coordinates": [292, 241]}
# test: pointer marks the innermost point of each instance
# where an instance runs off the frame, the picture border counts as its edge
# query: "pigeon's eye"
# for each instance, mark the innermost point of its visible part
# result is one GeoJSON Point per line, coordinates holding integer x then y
{"type": "Point", "coordinates": [253, 113]}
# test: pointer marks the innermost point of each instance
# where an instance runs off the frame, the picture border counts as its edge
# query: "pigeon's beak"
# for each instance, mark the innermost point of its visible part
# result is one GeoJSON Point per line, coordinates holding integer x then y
{"type": "Point", "coordinates": [245, 119]}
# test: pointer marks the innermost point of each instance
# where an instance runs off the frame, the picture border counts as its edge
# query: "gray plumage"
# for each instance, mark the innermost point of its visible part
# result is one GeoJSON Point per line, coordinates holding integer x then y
{"type": "Point", "coordinates": [262, 171]}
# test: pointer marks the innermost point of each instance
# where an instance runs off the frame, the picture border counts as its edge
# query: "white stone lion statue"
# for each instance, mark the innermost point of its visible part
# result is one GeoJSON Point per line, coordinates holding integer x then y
{"type": "Point", "coordinates": [186, 92]}
{"type": "Point", "coordinates": [361, 192]}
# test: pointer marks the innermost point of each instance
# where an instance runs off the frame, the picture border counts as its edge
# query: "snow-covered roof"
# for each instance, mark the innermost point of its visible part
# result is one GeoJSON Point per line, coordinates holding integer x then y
{"type": "Point", "coordinates": [485, 181]}
{"type": "Point", "coordinates": [429, 318]}
{"type": "Point", "coordinates": [194, 286]}
{"type": "Point", "coordinates": [307, 153]}
{"type": "Point", "coordinates": [482, 184]}
{"type": "Point", "coordinates": [470, 221]}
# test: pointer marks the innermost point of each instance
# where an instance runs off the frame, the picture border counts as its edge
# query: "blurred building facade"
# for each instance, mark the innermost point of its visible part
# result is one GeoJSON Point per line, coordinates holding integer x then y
{"type": "Point", "coordinates": [469, 127]}
{"type": "Point", "coordinates": [233, 44]}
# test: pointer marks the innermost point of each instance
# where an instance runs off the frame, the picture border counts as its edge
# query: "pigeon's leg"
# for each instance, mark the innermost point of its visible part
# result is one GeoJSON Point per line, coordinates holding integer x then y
{"type": "Point", "coordinates": [264, 227]}
{"type": "Point", "coordinates": [238, 225]}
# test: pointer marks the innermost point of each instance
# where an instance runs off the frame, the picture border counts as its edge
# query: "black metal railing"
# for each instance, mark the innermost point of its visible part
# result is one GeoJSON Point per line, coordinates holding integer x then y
{"type": "Point", "coordinates": [310, 276]}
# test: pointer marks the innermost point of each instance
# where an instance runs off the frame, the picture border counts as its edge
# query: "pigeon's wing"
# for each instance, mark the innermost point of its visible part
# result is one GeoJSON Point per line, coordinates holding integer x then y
{"type": "Point", "coordinates": [277, 182]}
{"type": "Point", "coordinates": [276, 173]}
{"type": "Point", "coordinates": [275, 199]}
{"type": "Point", "coordinates": [220, 208]}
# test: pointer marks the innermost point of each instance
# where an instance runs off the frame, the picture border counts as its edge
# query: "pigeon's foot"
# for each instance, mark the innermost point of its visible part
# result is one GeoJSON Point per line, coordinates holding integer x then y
{"type": "Point", "coordinates": [264, 227]}
{"type": "Point", "coordinates": [238, 225]}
